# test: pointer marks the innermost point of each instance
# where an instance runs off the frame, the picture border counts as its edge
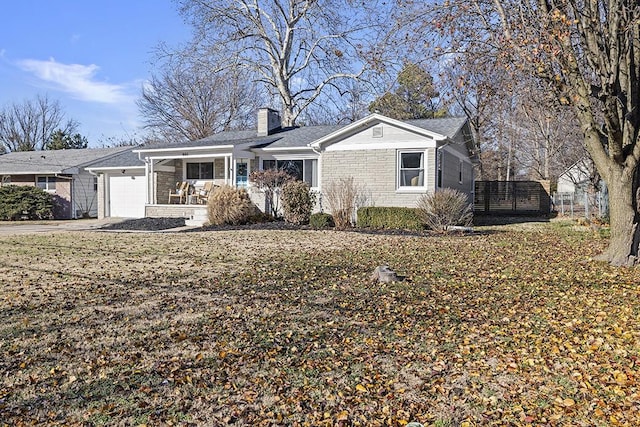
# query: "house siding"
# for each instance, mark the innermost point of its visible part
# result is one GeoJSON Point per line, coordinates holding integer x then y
{"type": "Point", "coordinates": [28, 180]}
{"type": "Point", "coordinates": [450, 173]}
{"type": "Point", "coordinates": [375, 171]}
{"type": "Point", "coordinates": [85, 198]}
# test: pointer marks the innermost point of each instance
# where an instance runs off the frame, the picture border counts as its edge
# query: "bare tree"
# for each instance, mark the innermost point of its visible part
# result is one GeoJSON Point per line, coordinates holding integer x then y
{"type": "Point", "coordinates": [587, 53]}
{"type": "Point", "coordinates": [474, 87]}
{"type": "Point", "coordinates": [31, 124]}
{"type": "Point", "coordinates": [189, 101]}
{"type": "Point", "coordinates": [301, 49]}
{"type": "Point", "coordinates": [550, 140]}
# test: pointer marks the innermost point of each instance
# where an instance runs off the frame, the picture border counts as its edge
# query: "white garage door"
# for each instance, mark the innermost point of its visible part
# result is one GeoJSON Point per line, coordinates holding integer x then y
{"type": "Point", "coordinates": [127, 196]}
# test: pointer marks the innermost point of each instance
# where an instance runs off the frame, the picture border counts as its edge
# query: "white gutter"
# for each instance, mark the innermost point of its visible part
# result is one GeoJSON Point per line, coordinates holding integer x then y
{"type": "Point", "coordinates": [184, 149]}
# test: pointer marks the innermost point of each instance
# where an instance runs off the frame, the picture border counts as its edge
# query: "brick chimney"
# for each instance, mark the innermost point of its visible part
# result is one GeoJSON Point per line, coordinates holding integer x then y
{"type": "Point", "coordinates": [268, 121]}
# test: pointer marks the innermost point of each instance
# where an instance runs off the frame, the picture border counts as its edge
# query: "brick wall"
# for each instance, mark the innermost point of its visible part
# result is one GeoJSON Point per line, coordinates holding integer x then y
{"type": "Point", "coordinates": [165, 182]}
{"type": "Point", "coordinates": [376, 172]}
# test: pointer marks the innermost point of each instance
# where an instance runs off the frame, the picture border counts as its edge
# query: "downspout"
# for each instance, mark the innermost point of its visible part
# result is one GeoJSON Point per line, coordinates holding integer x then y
{"type": "Point", "coordinates": [146, 174]}
{"type": "Point", "coordinates": [319, 177]}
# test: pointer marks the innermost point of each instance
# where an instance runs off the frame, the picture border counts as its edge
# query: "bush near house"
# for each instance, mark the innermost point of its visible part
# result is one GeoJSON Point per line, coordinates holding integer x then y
{"type": "Point", "coordinates": [389, 217]}
{"type": "Point", "coordinates": [230, 206]}
{"type": "Point", "coordinates": [343, 196]}
{"type": "Point", "coordinates": [321, 220]}
{"type": "Point", "coordinates": [443, 209]}
{"type": "Point", "coordinates": [23, 202]}
{"type": "Point", "coordinates": [297, 202]}
{"type": "Point", "coordinates": [271, 182]}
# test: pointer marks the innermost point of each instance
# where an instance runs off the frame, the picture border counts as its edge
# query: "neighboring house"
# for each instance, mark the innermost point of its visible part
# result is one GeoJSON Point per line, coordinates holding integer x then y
{"type": "Point", "coordinates": [393, 161]}
{"type": "Point", "coordinates": [61, 173]}
{"type": "Point", "coordinates": [580, 189]}
{"type": "Point", "coordinates": [579, 178]}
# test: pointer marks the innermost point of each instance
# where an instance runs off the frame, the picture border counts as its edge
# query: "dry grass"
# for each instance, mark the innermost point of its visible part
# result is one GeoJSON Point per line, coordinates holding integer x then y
{"type": "Point", "coordinates": [510, 327]}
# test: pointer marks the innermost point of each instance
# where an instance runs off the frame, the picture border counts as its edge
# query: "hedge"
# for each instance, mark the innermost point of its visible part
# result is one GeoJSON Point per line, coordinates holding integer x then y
{"type": "Point", "coordinates": [25, 202]}
{"type": "Point", "coordinates": [389, 217]}
{"type": "Point", "coordinates": [321, 220]}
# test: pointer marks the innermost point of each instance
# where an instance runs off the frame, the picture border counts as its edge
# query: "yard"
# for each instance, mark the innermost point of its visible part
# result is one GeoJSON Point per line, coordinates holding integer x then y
{"type": "Point", "coordinates": [509, 326]}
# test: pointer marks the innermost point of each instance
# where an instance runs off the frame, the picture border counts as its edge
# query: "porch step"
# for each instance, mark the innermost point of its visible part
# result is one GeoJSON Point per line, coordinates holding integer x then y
{"type": "Point", "coordinates": [198, 219]}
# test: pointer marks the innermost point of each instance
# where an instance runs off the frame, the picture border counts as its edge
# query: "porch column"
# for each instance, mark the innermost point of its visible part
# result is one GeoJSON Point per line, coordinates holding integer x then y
{"type": "Point", "coordinates": [226, 169]}
{"type": "Point", "coordinates": [151, 185]}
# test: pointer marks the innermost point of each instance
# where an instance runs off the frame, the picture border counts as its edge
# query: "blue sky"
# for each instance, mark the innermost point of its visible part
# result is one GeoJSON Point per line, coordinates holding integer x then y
{"type": "Point", "coordinates": [91, 55]}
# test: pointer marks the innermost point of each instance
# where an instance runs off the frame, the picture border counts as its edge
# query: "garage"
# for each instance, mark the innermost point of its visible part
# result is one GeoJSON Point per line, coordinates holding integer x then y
{"type": "Point", "coordinates": [127, 195]}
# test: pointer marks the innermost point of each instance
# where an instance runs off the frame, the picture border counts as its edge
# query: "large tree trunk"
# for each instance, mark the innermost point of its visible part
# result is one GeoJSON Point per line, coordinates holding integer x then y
{"type": "Point", "coordinates": [623, 213]}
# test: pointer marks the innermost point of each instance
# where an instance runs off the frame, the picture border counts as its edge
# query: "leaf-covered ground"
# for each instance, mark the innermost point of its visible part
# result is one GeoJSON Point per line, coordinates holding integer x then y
{"type": "Point", "coordinates": [510, 326]}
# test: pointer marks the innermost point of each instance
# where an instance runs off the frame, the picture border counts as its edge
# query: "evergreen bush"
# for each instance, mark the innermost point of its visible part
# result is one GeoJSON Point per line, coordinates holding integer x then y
{"type": "Point", "coordinates": [389, 217]}
{"type": "Point", "coordinates": [297, 202]}
{"type": "Point", "coordinates": [25, 202]}
{"type": "Point", "coordinates": [321, 220]}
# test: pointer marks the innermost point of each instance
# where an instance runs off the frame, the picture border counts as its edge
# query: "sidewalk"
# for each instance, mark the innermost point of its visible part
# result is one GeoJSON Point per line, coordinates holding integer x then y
{"type": "Point", "coordinates": [8, 228]}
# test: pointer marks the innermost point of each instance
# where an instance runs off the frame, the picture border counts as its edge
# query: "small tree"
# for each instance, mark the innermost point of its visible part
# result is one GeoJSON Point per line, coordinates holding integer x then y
{"type": "Point", "coordinates": [17, 202]}
{"type": "Point", "coordinates": [297, 202]}
{"type": "Point", "coordinates": [270, 182]}
{"type": "Point", "coordinates": [228, 205]}
{"type": "Point", "coordinates": [343, 197]}
{"type": "Point", "coordinates": [442, 210]}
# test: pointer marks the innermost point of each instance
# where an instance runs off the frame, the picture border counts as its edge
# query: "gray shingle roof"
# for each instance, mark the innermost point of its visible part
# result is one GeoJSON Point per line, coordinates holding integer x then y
{"type": "Point", "coordinates": [124, 160]}
{"type": "Point", "coordinates": [52, 161]}
{"type": "Point", "coordinates": [222, 138]}
{"type": "Point", "coordinates": [448, 126]}
{"type": "Point", "coordinates": [299, 136]}
{"type": "Point", "coordinates": [302, 136]}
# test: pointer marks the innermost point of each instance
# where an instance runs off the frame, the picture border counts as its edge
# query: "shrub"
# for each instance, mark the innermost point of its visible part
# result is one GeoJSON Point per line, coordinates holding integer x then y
{"type": "Point", "coordinates": [321, 220]}
{"type": "Point", "coordinates": [389, 217]}
{"type": "Point", "coordinates": [270, 181]}
{"type": "Point", "coordinates": [343, 196]}
{"type": "Point", "coordinates": [297, 202]}
{"type": "Point", "coordinates": [441, 210]}
{"type": "Point", "coordinates": [228, 205]}
{"type": "Point", "coordinates": [17, 202]}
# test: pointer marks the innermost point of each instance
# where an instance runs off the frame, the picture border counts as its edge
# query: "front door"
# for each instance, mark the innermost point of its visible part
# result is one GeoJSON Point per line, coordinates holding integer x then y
{"type": "Point", "coordinates": [242, 174]}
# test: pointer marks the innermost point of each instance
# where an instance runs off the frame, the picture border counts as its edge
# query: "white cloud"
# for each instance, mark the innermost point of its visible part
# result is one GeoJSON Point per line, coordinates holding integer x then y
{"type": "Point", "coordinates": [77, 80]}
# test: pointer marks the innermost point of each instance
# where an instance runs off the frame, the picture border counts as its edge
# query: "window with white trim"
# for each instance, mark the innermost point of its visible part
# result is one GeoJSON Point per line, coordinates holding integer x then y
{"type": "Point", "coordinates": [47, 183]}
{"type": "Point", "coordinates": [460, 169]}
{"type": "Point", "coordinates": [411, 168]}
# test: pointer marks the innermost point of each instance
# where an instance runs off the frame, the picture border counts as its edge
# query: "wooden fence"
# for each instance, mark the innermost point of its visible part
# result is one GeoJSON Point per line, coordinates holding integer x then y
{"type": "Point", "coordinates": [512, 198]}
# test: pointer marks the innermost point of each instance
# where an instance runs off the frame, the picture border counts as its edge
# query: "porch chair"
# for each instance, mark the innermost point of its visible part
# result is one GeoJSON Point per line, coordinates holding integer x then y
{"type": "Point", "coordinates": [181, 192]}
{"type": "Point", "coordinates": [203, 194]}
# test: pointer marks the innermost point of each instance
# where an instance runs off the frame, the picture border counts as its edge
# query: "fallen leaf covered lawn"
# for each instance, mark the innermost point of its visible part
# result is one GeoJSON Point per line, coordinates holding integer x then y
{"type": "Point", "coordinates": [510, 326]}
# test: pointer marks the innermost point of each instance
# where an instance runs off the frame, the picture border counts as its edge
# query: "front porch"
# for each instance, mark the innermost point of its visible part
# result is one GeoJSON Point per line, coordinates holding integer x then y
{"type": "Point", "coordinates": [194, 214]}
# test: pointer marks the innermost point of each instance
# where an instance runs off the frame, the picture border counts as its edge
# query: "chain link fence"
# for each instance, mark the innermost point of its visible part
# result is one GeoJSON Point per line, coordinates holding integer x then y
{"type": "Point", "coordinates": [581, 204]}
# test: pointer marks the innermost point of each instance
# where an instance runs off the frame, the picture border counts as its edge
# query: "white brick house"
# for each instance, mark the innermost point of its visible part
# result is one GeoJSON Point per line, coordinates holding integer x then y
{"type": "Point", "coordinates": [394, 161]}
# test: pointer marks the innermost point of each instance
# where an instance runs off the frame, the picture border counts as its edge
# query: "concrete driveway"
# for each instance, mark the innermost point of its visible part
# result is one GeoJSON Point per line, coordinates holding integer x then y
{"type": "Point", "coordinates": [8, 228]}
